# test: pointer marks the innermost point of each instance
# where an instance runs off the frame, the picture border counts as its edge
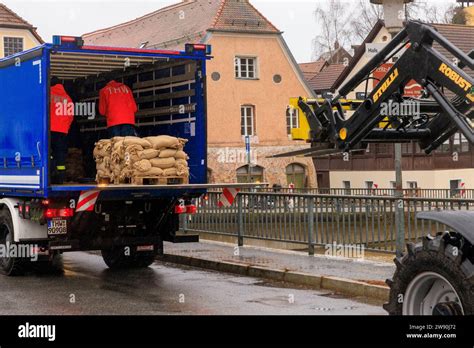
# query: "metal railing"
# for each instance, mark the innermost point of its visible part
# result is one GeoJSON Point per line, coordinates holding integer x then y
{"type": "Point", "coordinates": [319, 220]}
{"type": "Point", "coordinates": [459, 193]}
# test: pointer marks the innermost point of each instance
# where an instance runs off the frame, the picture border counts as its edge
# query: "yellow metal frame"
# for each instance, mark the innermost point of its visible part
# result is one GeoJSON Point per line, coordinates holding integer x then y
{"type": "Point", "coordinates": [302, 132]}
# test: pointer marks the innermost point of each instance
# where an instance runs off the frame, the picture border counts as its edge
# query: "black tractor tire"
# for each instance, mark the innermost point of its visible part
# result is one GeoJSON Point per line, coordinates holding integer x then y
{"type": "Point", "coordinates": [116, 258]}
{"type": "Point", "coordinates": [434, 254]}
{"type": "Point", "coordinates": [9, 266]}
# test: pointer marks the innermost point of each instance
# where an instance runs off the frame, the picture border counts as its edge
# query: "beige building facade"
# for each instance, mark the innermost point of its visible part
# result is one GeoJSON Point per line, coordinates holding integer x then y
{"type": "Point", "coordinates": [267, 95]}
{"type": "Point", "coordinates": [16, 34]}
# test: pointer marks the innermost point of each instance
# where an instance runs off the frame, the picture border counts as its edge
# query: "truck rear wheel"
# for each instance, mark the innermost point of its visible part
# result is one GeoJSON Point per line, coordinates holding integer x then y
{"type": "Point", "coordinates": [433, 278]}
{"type": "Point", "coordinates": [117, 258]}
{"type": "Point", "coordinates": [9, 266]}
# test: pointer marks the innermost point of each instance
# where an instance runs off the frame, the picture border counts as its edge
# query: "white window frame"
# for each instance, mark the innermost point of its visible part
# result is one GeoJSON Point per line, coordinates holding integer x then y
{"type": "Point", "coordinates": [293, 113]}
{"type": "Point", "coordinates": [245, 117]}
{"type": "Point", "coordinates": [13, 37]}
{"type": "Point", "coordinates": [238, 67]}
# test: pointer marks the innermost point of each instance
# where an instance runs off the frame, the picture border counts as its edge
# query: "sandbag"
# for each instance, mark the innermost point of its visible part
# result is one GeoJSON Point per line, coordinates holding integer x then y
{"type": "Point", "coordinates": [137, 141]}
{"type": "Point", "coordinates": [103, 174]}
{"type": "Point", "coordinates": [181, 155]}
{"type": "Point", "coordinates": [102, 148]}
{"type": "Point", "coordinates": [131, 154]}
{"type": "Point", "coordinates": [182, 171]}
{"type": "Point", "coordinates": [165, 153]}
{"type": "Point", "coordinates": [164, 141]}
{"type": "Point", "coordinates": [148, 154]}
{"type": "Point", "coordinates": [116, 139]}
{"type": "Point", "coordinates": [118, 149]}
{"type": "Point", "coordinates": [170, 172]}
{"type": "Point", "coordinates": [142, 166]}
{"type": "Point", "coordinates": [102, 166]}
{"type": "Point", "coordinates": [153, 172]}
{"type": "Point", "coordinates": [182, 163]}
{"type": "Point", "coordinates": [178, 154]}
{"type": "Point", "coordinates": [163, 163]}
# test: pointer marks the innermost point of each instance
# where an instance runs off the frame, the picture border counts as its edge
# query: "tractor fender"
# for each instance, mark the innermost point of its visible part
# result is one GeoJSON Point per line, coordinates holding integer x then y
{"type": "Point", "coordinates": [461, 222]}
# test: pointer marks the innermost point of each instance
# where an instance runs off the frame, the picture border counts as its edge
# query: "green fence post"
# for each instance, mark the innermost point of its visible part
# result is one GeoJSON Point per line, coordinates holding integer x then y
{"type": "Point", "coordinates": [310, 225]}
{"type": "Point", "coordinates": [240, 216]}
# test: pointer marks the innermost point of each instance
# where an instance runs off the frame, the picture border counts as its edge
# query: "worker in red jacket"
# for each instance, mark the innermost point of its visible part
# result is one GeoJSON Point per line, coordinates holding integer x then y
{"type": "Point", "coordinates": [62, 115]}
{"type": "Point", "coordinates": [117, 104]}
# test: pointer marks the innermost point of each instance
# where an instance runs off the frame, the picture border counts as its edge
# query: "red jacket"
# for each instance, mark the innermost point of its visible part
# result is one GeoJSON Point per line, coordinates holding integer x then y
{"type": "Point", "coordinates": [61, 109]}
{"type": "Point", "coordinates": [117, 104]}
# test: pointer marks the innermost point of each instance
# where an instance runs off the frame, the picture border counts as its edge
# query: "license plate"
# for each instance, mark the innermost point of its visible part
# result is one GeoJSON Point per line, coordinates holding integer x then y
{"type": "Point", "coordinates": [57, 226]}
{"type": "Point", "coordinates": [145, 248]}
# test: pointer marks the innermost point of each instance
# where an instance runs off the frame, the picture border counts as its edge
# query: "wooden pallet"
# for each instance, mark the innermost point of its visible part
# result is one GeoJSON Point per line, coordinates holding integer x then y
{"type": "Point", "coordinates": [160, 180]}
{"type": "Point", "coordinates": [104, 181]}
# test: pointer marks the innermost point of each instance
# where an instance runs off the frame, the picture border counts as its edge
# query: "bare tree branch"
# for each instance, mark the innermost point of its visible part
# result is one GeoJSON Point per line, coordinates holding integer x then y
{"type": "Point", "coordinates": [333, 19]}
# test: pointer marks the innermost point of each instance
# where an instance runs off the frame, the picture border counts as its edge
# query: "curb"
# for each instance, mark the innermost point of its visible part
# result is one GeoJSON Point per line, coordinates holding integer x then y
{"type": "Point", "coordinates": [343, 286]}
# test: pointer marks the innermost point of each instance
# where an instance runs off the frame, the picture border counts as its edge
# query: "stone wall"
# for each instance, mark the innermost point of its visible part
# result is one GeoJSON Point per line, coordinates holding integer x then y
{"type": "Point", "coordinates": [224, 161]}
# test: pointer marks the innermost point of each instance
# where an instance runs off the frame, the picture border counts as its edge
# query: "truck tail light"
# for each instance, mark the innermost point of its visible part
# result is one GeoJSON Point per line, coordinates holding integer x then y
{"type": "Point", "coordinates": [191, 209]}
{"type": "Point", "coordinates": [180, 209]}
{"type": "Point", "coordinates": [26, 211]}
{"type": "Point", "coordinates": [52, 213]}
{"type": "Point", "coordinates": [68, 41]}
{"type": "Point", "coordinates": [193, 48]}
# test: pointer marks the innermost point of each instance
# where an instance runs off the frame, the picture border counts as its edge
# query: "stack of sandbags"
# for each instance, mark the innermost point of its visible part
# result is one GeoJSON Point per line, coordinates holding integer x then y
{"type": "Point", "coordinates": [165, 158]}
{"type": "Point", "coordinates": [123, 158]}
{"type": "Point", "coordinates": [102, 156]}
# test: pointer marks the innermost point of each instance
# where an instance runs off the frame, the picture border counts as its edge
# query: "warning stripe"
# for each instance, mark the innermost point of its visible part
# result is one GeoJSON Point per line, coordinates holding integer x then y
{"type": "Point", "coordinates": [227, 197]}
{"type": "Point", "coordinates": [87, 200]}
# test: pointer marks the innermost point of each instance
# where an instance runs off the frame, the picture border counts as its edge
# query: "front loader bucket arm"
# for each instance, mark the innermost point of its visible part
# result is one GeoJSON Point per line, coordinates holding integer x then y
{"type": "Point", "coordinates": [420, 62]}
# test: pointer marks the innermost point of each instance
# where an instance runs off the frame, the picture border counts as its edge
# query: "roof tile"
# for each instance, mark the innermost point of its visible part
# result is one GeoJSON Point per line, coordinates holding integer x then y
{"type": "Point", "coordinates": [324, 80]}
{"type": "Point", "coordinates": [172, 26]}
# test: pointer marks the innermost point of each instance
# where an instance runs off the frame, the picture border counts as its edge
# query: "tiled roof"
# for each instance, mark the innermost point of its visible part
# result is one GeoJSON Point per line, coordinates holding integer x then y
{"type": "Point", "coordinates": [10, 19]}
{"type": "Point", "coordinates": [240, 15]}
{"type": "Point", "coordinates": [311, 69]}
{"type": "Point", "coordinates": [172, 26]}
{"type": "Point", "coordinates": [461, 36]}
{"type": "Point", "coordinates": [324, 80]}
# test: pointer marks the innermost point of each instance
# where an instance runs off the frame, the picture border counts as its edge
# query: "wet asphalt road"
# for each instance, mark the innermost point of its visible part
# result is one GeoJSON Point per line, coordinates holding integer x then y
{"type": "Point", "coordinates": [89, 287]}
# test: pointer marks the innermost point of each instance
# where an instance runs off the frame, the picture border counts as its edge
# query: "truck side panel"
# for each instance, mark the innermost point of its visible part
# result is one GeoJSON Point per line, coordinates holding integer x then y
{"type": "Point", "coordinates": [23, 140]}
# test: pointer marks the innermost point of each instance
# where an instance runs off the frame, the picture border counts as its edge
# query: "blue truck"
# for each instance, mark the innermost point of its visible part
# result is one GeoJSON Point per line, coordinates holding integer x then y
{"type": "Point", "coordinates": [128, 223]}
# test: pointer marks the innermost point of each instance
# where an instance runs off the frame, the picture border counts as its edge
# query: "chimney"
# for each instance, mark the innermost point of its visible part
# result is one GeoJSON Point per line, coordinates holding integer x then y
{"type": "Point", "coordinates": [393, 14]}
{"type": "Point", "coordinates": [336, 45]}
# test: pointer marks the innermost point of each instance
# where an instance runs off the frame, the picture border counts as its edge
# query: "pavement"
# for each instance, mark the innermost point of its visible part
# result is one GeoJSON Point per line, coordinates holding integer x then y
{"type": "Point", "coordinates": [353, 277]}
{"type": "Point", "coordinates": [88, 287]}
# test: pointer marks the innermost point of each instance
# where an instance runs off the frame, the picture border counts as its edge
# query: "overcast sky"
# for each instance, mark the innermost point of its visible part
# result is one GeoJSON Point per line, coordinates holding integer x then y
{"type": "Point", "coordinates": [76, 17]}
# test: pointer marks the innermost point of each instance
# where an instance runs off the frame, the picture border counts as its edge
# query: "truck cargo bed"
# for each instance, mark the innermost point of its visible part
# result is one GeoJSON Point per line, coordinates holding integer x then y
{"type": "Point", "coordinates": [168, 86]}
